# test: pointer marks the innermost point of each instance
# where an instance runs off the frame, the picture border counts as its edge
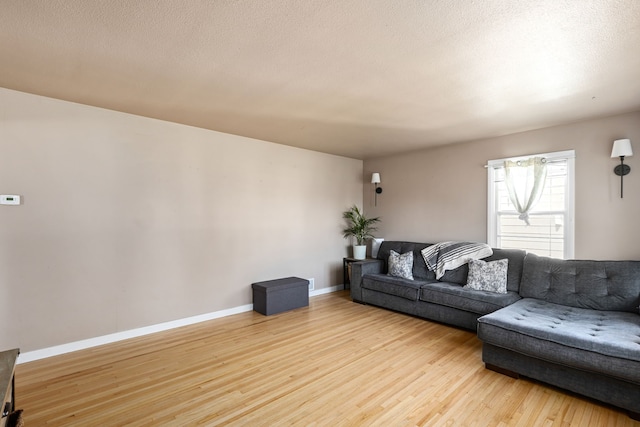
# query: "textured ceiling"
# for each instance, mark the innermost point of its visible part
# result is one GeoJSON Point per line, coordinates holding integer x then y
{"type": "Point", "coordinates": [355, 78]}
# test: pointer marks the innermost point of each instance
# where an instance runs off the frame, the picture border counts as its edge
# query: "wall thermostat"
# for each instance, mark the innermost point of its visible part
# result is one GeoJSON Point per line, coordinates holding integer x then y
{"type": "Point", "coordinates": [9, 199]}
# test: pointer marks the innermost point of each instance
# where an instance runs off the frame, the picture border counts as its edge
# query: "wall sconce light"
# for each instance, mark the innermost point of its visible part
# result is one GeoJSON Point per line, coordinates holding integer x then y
{"type": "Point", "coordinates": [375, 179]}
{"type": "Point", "coordinates": [621, 148]}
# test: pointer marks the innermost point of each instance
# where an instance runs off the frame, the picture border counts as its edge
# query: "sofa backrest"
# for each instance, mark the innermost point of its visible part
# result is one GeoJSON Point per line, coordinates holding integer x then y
{"type": "Point", "coordinates": [514, 270]}
{"type": "Point", "coordinates": [600, 285]}
{"type": "Point", "coordinates": [420, 271]}
{"type": "Point", "coordinates": [459, 275]}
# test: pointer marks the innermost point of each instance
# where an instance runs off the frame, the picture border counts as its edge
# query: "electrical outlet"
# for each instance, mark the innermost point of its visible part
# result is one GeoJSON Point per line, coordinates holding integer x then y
{"type": "Point", "coordinates": [9, 199]}
{"type": "Point", "coordinates": [311, 285]}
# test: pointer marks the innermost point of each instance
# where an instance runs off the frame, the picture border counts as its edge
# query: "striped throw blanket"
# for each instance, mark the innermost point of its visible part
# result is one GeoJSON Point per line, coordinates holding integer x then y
{"type": "Point", "coordinates": [450, 255]}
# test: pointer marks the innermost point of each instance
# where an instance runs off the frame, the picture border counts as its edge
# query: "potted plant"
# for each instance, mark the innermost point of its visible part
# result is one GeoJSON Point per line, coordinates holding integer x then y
{"type": "Point", "coordinates": [360, 228]}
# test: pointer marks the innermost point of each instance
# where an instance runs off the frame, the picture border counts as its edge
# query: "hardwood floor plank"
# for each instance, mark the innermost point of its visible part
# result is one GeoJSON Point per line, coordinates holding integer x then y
{"type": "Point", "coordinates": [334, 363]}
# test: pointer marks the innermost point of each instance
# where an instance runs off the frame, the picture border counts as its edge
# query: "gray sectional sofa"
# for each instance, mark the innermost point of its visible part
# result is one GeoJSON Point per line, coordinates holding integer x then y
{"type": "Point", "coordinates": [574, 324]}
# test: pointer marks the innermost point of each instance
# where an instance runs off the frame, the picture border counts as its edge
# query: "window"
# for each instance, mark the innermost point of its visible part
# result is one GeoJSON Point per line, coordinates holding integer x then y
{"type": "Point", "coordinates": [551, 225]}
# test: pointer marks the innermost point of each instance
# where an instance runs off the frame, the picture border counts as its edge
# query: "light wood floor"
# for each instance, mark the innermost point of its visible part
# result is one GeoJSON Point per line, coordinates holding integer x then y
{"type": "Point", "coordinates": [335, 363]}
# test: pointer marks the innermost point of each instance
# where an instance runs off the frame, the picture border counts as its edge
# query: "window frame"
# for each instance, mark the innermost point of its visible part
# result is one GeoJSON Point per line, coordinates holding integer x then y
{"type": "Point", "coordinates": [492, 211]}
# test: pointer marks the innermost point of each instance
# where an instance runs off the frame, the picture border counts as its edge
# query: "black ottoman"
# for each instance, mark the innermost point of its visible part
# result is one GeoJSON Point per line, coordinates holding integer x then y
{"type": "Point", "coordinates": [276, 296]}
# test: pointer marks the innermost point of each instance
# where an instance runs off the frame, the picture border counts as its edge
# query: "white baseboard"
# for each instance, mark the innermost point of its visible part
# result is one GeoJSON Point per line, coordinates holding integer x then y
{"type": "Point", "coordinates": [326, 290]}
{"type": "Point", "coordinates": [57, 350]}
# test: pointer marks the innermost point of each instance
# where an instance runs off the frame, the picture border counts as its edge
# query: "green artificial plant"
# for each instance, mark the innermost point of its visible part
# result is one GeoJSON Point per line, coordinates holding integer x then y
{"type": "Point", "coordinates": [359, 226]}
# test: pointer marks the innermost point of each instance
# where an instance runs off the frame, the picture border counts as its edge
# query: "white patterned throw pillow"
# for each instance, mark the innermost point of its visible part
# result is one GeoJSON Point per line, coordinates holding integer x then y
{"type": "Point", "coordinates": [488, 276]}
{"type": "Point", "coordinates": [401, 265]}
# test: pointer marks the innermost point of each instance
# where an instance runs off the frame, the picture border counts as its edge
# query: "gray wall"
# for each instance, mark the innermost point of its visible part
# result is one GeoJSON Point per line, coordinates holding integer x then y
{"type": "Point", "coordinates": [441, 193]}
{"type": "Point", "coordinates": [128, 222]}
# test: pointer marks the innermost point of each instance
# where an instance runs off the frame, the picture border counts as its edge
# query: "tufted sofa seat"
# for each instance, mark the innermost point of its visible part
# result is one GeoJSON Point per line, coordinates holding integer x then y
{"type": "Point", "coordinates": [577, 327]}
{"type": "Point", "coordinates": [600, 341]}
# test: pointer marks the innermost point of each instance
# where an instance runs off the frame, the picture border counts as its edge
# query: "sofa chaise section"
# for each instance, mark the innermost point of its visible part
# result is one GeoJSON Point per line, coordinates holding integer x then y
{"type": "Point", "coordinates": [577, 327]}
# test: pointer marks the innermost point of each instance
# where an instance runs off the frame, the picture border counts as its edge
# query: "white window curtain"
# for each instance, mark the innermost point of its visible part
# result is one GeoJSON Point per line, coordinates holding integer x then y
{"type": "Point", "coordinates": [525, 181]}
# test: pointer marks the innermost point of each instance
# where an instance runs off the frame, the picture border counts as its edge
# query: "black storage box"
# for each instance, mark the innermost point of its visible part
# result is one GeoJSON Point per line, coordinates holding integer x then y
{"type": "Point", "coordinates": [276, 296]}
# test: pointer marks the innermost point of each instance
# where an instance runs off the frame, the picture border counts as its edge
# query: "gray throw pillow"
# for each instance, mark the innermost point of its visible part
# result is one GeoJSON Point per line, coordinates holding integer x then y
{"type": "Point", "coordinates": [488, 276]}
{"type": "Point", "coordinates": [401, 265]}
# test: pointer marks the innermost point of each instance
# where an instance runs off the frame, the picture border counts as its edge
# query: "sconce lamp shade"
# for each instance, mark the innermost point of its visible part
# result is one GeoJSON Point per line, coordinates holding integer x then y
{"type": "Point", "coordinates": [622, 148]}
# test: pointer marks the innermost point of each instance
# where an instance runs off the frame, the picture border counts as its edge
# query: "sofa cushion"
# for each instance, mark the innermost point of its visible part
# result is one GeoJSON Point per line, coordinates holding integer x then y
{"type": "Point", "coordinates": [404, 288]}
{"type": "Point", "coordinates": [456, 296]}
{"type": "Point", "coordinates": [420, 271]}
{"type": "Point", "coordinates": [401, 265]}
{"type": "Point", "coordinates": [600, 285]}
{"type": "Point", "coordinates": [607, 342]}
{"type": "Point", "coordinates": [375, 246]}
{"type": "Point", "coordinates": [514, 272]}
{"type": "Point", "coordinates": [488, 276]}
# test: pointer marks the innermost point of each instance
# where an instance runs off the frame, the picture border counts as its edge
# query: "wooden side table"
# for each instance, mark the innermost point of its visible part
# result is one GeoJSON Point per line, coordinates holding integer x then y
{"type": "Point", "coordinates": [8, 383]}
{"type": "Point", "coordinates": [345, 269]}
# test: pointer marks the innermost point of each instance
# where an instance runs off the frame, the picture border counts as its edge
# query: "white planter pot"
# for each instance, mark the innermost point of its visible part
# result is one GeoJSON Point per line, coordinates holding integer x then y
{"type": "Point", "coordinates": [359, 252]}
